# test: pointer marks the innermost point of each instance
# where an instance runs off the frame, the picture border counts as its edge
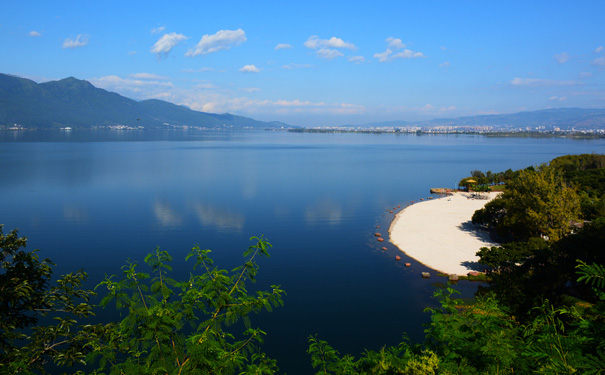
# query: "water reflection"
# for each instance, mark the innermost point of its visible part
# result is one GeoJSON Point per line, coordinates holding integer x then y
{"type": "Point", "coordinates": [75, 214]}
{"type": "Point", "coordinates": [166, 215]}
{"type": "Point", "coordinates": [323, 212]}
{"type": "Point", "coordinates": [219, 218]}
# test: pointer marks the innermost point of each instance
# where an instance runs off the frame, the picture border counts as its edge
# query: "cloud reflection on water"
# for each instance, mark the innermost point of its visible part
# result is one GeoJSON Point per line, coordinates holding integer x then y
{"type": "Point", "coordinates": [166, 215]}
{"type": "Point", "coordinates": [75, 214]}
{"type": "Point", "coordinates": [324, 211]}
{"type": "Point", "coordinates": [219, 218]}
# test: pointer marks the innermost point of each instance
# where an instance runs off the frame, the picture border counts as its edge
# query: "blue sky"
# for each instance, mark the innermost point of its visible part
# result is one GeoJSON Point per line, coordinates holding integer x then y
{"type": "Point", "coordinates": [319, 63]}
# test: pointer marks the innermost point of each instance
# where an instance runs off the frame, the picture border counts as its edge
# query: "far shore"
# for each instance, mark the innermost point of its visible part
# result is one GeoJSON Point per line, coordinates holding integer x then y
{"type": "Point", "coordinates": [439, 234]}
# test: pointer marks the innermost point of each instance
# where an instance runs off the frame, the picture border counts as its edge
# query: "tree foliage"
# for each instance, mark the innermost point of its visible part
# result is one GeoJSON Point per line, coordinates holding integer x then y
{"type": "Point", "coordinates": [173, 327]}
{"type": "Point", "coordinates": [536, 203]}
{"type": "Point", "coordinates": [27, 298]}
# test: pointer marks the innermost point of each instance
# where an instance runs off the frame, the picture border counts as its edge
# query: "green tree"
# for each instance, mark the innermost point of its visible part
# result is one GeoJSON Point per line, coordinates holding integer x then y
{"type": "Point", "coordinates": [174, 327]}
{"type": "Point", "coordinates": [535, 203]}
{"type": "Point", "coordinates": [28, 296]}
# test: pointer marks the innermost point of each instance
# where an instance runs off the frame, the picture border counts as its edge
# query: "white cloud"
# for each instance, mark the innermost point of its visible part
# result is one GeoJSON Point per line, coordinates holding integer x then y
{"type": "Point", "coordinates": [250, 89]}
{"type": "Point", "coordinates": [394, 45]}
{"type": "Point", "coordinates": [133, 88]}
{"type": "Point", "coordinates": [315, 43]}
{"type": "Point", "coordinates": [283, 46]}
{"type": "Point", "coordinates": [561, 57]}
{"type": "Point", "coordinates": [407, 54]}
{"type": "Point", "coordinates": [223, 39]}
{"type": "Point", "coordinates": [157, 30]}
{"type": "Point", "coordinates": [558, 98]}
{"type": "Point", "coordinates": [357, 59]}
{"type": "Point", "coordinates": [297, 66]}
{"type": "Point", "coordinates": [328, 54]}
{"type": "Point", "coordinates": [600, 62]}
{"type": "Point", "coordinates": [34, 33]}
{"type": "Point", "coordinates": [80, 41]}
{"type": "Point", "coordinates": [205, 86]}
{"type": "Point", "coordinates": [443, 48]}
{"type": "Point", "coordinates": [166, 43]}
{"type": "Point", "coordinates": [585, 74]}
{"type": "Point", "coordinates": [249, 69]}
{"type": "Point", "coordinates": [599, 49]}
{"type": "Point", "coordinates": [148, 76]}
{"type": "Point", "coordinates": [383, 56]}
{"type": "Point", "coordinates": [539, 82]}
{"type": "Point", "coordinates": [445, 65]}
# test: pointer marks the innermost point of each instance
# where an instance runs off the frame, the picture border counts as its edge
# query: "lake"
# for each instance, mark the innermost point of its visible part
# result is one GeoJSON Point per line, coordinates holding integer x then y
{"type": "Point", "coordinates": [93, 199]}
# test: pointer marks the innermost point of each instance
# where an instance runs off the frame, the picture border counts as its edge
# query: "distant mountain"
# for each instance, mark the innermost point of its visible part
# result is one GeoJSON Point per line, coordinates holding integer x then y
{"type": "Point", "coordinates": [564, 118]}
{"type": "Point", "coordinates": [78, 104]}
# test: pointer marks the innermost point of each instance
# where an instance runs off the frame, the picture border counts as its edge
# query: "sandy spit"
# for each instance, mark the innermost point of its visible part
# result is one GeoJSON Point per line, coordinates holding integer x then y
{"type": "Point", "coordinates": [439, 234]}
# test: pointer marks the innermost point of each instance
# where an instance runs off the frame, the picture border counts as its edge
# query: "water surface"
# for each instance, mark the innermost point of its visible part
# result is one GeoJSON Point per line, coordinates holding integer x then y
{"type": "Point", "coordinates": [92, 200]}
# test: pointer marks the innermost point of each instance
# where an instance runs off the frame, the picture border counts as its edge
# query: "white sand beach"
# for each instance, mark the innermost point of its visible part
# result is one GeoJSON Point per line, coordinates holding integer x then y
{"type": "Point", "coordinates": [439, 234]}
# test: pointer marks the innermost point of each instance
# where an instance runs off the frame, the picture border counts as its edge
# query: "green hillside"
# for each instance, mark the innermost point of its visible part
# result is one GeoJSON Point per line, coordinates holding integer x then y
{"type": "Point", "coordinates": [78, 104]}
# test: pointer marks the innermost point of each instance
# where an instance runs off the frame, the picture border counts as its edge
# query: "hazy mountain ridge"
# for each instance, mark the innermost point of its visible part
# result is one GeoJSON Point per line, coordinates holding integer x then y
{"type": "Point", "coordinates": [78, 104]}
{"type": "Point", "coordinates": [564, 118]}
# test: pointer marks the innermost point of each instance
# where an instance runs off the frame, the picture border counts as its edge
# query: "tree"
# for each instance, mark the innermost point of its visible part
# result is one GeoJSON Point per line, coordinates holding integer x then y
{"type": "Point", "coordinates": [174, 327]}
{"type": "Point", "coordinates": [27, 295]}
{"type": "Point", "coordinates": [537, 203]}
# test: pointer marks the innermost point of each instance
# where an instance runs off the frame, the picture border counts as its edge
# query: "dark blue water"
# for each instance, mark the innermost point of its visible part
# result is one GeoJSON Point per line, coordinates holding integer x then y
{"type": "Point", "coordinates": [317, 197]}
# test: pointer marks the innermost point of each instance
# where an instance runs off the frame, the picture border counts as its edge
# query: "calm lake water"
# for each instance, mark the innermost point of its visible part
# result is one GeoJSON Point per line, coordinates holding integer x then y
{"type": "Point", "coordinates": [92, 200]}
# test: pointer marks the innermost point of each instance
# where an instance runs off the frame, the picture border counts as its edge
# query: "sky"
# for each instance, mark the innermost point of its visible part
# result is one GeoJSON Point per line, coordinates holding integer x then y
{"type": "Point", "coordinates": [319, 63]}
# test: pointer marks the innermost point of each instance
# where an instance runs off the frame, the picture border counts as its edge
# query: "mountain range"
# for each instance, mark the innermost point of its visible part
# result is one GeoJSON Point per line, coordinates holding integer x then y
{"type": "Point", "coordinates": [563, 118]}
{"type": "Point", "coordinates": [75, 103]}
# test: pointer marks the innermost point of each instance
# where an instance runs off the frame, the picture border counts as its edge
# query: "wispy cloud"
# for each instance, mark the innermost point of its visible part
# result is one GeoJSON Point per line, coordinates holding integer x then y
{"type": "Point", "coordinates": [249, 69]}
{"type": "Point", "coordinates": [315, 43]}
{"type": "Point", "coordinates": [357, 59]}
{"type": "Point", "coordinates": [157, 30]}
{"type": "Point", "coordinates": [250, 89]}
{"type": "Point", "coordinates": [205, 86]}
{"type": "Point", "coordinates": [222, 40]}
{"type": "Point", "coordinates": [539, 82]}
{"type": "Point", "coordinates": [134, 87]}
{"type": "Point", "coordinates": [445, 65]}
{"type": "Point", "coordinates": [297, 66]}
{"type": "Point", "coordinates": [328, 54]}
{"type": "Point", "coordinates": [558, 98]}
{"type": "Point", "coordinates": [166, 43]}
{"type": "Point", "coordinates": [80, 41]}
{"type": "Point", "coordinates": [599, 62]}
{"type": "Point", "coordinates": [396, 50]}
{"type": "Point", "coordinates": [561, 57]}
{"type": "Point", "coordinates": [283, 46]}
{"type": "Point", "coordinates": [599, 49]}
{"type": "Point", "coordinates": [148, 76]}
{"type": "Point", "coordinates": [34, 33]}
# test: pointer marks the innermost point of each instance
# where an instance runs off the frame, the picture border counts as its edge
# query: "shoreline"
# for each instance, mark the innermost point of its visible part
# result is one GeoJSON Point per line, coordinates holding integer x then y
{"type": "Point", "coordinates": [439, 234]}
